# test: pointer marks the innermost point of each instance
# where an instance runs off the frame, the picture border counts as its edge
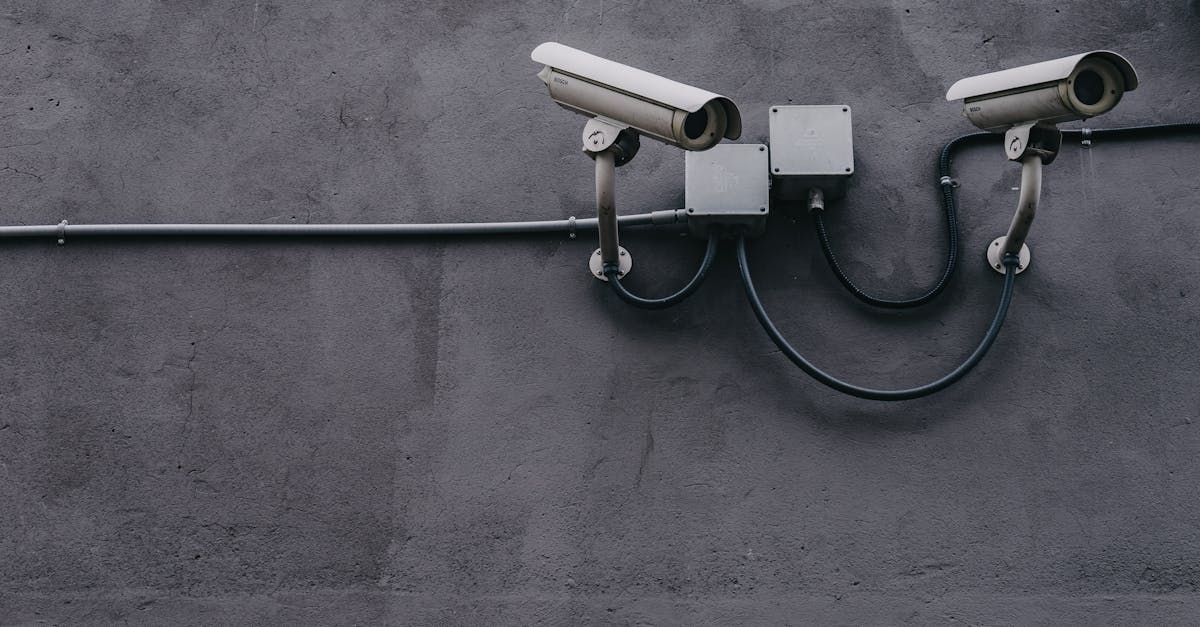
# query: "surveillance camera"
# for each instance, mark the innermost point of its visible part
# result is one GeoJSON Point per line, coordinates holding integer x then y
{"type": "Point", "coordinates": [678, 114]}
{"type": "Point", "coordinates": [1070, 88]}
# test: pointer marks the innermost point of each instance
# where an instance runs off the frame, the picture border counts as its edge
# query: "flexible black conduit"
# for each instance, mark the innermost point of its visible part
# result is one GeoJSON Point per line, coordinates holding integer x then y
{"type": "Point", "coordinates": [945, 181]}
{"type": "Point", "coordinates": [611, 272]}
{"type": "Point", "coordinates": [1131, 132]}
{"type": "Point", "coordinates": [1010, 273]}
{"type": "Point", "coordinates": [945, 159]}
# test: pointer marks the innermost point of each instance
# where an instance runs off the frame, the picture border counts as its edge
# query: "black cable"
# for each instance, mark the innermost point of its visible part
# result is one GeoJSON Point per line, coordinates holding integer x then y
{"type": "Point", "coordinates": [1127, 132]}
{"type": "Point", "coordinates": [1010, 273]}
{"type": "Point", "coordinates": [945, 159]}
{"type": "Point", "coordinates": [611, 271]}
{"type": "Point", "coordinates": [949, 205]}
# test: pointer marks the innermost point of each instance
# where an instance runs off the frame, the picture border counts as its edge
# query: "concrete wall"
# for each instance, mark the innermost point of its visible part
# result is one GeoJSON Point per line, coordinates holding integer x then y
{"type": "Point", "coordinates": [455, 431]}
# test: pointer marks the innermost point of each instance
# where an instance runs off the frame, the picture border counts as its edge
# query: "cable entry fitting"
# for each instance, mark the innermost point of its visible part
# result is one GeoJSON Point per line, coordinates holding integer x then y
{"type": "Point", "coordinates": [1006, 293]}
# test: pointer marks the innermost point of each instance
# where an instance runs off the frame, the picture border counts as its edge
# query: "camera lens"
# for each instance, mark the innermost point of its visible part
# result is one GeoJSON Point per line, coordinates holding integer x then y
{"type": "Point", "coordinates": [695, 124]}
{"type": "Point", "coordinates": [1089, 87]}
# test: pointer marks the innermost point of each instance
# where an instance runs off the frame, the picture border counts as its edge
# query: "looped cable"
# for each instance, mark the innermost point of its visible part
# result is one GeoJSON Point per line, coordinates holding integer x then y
{"type": "Point", "coordinates": [947, 185]}
{"type": "Point", "coordinates": [1010, 274]}
{"type": "Point", "coordinates": [612, 273]}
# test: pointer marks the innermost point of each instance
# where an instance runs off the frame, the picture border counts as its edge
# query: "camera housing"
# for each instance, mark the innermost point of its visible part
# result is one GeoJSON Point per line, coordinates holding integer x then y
{"type": "Point", "coordinates": [626, 97]}
{"type": "Point", "coordinates": [1026, 103]}
{"type": "Point", "coordinates": [1071, 88]}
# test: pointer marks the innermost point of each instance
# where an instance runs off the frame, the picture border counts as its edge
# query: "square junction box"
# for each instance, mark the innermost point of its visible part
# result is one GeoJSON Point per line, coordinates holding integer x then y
{"type": "Point", "coordinates": [811, 146]}
{"type": "Point", "coordinates": [727, 186]}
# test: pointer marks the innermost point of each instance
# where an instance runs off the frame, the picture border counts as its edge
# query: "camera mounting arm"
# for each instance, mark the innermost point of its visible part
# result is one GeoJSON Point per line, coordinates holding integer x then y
{"type": "Point", "coordinates": [610, 145]}
{"type": "Point", "coordinates": [1034, 145]}
{"type": "Point", "coordinates": [1032, 138]}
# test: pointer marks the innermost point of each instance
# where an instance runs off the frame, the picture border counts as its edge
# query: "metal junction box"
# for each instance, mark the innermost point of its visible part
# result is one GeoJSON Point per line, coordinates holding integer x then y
{"type": "Point", "coordinates": [811, 146]}
{"type": "Point", "coordinates": [727, 186]}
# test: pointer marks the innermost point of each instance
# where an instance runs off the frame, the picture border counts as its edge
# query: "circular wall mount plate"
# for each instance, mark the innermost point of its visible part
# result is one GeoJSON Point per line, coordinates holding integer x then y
{"type": "Point", "coordinates": [625, 262]}
{"type": "Point", "coordinates": [994, 256]}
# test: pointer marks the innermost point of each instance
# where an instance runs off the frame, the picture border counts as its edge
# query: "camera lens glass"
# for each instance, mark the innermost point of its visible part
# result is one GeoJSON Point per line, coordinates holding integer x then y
{"type": "Point", "coordinates": [695, 124]}
{"type": "Point", "coordinates": [1089, 87]}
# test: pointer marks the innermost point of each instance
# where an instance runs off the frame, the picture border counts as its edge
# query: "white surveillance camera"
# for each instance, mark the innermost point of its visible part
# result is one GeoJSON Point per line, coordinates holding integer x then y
{"type": "Point", "coordinates": [1070, 88]}
{"type": "Point", "coordinates": [626, 97]}
{"type": "Point", "coordinates": [1026, 103]}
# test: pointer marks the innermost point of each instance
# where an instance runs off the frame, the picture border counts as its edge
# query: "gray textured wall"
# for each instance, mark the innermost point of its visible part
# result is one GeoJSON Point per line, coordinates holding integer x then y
{"type": "Point", "coordinates": [468, 431]}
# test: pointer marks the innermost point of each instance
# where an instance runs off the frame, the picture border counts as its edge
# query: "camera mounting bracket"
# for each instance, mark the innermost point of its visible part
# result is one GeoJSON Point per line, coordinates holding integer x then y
{"type": "Point", "coordinates": [1013, 242]}
{"type": "Point", "coordinates": [609, 145]}
{"type": "Point", "coordinates": [600, 134]}
{"type": "Point", "coordinates": [1034, 145]}
{"type": "Point", "coordinates": [1032, 138]}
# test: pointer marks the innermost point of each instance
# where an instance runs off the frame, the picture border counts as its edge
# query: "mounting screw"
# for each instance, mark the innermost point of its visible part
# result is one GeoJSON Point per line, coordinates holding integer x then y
{"type": "Point", "coordinates": [762, 209]}
{"type": "Point", "coordinates": [691, 210]}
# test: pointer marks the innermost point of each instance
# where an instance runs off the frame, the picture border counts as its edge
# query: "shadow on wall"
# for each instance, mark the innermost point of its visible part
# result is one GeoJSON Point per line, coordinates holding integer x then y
{"type": "Point", "coordinates": [1193, 7]}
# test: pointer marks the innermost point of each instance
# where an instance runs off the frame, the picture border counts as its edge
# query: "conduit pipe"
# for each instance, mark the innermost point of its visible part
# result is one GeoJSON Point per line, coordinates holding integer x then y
{"type": "Point", "coordinates": [63, 230]}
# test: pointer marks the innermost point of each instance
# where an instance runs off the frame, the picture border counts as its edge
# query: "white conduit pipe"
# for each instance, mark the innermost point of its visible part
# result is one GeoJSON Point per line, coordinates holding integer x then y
{"type": "Point", "coordinates": [64, 230]}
